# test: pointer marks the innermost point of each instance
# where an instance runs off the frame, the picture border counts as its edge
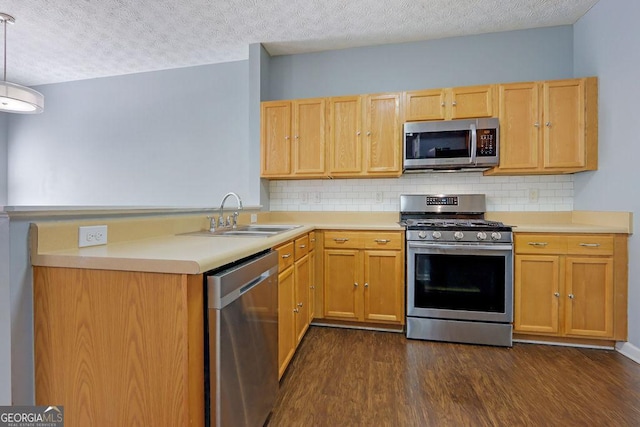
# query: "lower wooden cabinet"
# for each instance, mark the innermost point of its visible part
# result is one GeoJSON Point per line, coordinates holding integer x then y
{"type": "Point", "coordinates": [571, 285]}
{"type": "Point", "coordinates": [294, 296]}
{"type": "Point", "coordinates": [364, 276]}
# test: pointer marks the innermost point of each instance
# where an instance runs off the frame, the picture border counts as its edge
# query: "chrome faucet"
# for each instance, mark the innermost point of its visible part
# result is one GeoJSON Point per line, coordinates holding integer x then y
{"type": "Point", "coordinates": [230, 222]}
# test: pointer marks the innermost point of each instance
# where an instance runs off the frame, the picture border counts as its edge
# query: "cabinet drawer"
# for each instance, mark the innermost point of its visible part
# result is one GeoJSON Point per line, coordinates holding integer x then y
{"type": "Point", "coordinates": [342, 239]}
{"type": "Point", "coordinates": [540, 244]}
{"type": "Point", "coordinates": [589, 244]}
{"type": "Point", "coordinates": [312, 241]}
{"type": "Point", "coordinates": [302, 247]}
{"type": "Point", "coordinates": [383, 240]}
{"type": "Point", "coordinates": [285, 256]}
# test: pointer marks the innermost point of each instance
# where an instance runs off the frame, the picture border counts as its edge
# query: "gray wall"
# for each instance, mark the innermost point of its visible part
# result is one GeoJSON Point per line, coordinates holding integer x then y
{"type": "Point", "coordinates": [5, 313]}
{"type": "Point", "coordinates": [538, 54]}
{"type": "Point", "coordinates": [3, 158]}
{"type": "Point", "coordinates": [168, 138]}
{"type": "Point", "coordinates": [606, 44]}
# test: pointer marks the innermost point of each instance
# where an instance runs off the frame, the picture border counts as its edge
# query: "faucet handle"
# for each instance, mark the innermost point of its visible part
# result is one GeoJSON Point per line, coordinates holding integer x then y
{"type": "Point", "coordinates": [234, 223]}
{"type": "Point", "coordinates": [220, 221]}
{"type": "Point", "coordinates": [228, 223]}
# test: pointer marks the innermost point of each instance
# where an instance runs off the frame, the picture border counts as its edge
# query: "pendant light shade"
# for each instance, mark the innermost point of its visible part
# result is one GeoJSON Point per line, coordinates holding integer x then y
{"type": "Point", "coordinates": [13, 97]}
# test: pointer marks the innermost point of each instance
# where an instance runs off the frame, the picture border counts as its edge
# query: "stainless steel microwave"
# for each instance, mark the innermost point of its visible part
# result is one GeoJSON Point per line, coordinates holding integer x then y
{"type": "Point", "coordinates": [451, 144]}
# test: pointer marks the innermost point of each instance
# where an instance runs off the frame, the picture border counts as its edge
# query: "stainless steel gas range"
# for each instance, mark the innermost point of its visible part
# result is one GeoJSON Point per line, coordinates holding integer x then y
{"type": "Point", "coordinates": [459, 270]}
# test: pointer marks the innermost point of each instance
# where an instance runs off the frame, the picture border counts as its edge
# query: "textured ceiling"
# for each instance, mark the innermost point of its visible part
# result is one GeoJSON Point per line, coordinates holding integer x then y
{"type": "Point", "coordinates": [62, 40]}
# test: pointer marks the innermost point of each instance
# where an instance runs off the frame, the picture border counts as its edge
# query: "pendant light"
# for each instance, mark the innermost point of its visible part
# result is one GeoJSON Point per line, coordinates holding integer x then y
{"type": "Point", "coordinates": [13, 97]}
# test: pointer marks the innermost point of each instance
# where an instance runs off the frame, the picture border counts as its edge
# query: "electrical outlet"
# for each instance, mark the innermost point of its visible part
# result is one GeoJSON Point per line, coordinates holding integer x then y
{"type": "Point", "coordinates": [254, 218]}
{"type": "Point", "coordinates": [317, 198]}
{"type": "Point", "coordinates": [379, 197]}
{"type": "Point", "coordinates": [533, 195]}
{"type": "Point", "coordinates": [92, 236]}
{"type": "Point", "coordinates": [304, 198]}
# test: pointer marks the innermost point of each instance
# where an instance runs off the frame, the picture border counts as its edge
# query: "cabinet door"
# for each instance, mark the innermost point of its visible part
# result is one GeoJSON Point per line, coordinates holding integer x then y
{"type": "Point", "coordinates": [471, 101]}
{"type": "Point", "coordinates": [564, 123]}
{"type": "Point", "coordinates": [384, 286]}
{"type": "Point", "coordinates": [424, 105]}
{"type": "Point", "coordinates": [589, 293]}
{"type": "Point", "coordinates": [301, 297]}
{"type": "Point", "coordinates": [536, 293]}
{"type": "Point", "coordinates": [309, 137]}
{"type": "Point", "coordinates": [286, 325]}
{"type": "Point", "coordinates": [312, 285]}
{"type": "Point", "coordinates": [275, 138]}
{"type": "Point", "coordinates": [383, 135]}
{"type": "Point", "coordinates": [342, 284]}
{"type": "Point", "coordinates": [519, 113]}
{"type": "Point", "coordinates": [345, 143]}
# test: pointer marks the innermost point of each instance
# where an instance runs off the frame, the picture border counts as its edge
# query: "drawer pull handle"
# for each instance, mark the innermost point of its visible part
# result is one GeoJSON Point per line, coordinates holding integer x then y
{"type": "Point", "coordinates": [538, 243]}
{"type": "Point", "coordinates": [285, 256]}
{"type": "Point", "coordinates": [303, 246]}
{"type": "Point", "coordinates": [312, 240]}
{"type": "Point", "coordinates": [340, 239]}
{"type": "Point", "coordinates": [590, 245]}
{"type": "Point", "coordinates": [382, 240]}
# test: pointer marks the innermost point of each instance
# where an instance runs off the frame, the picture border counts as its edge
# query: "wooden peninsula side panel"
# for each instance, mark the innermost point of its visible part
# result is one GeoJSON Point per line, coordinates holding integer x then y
{"type": "Point", "coordinates": [119, 348]}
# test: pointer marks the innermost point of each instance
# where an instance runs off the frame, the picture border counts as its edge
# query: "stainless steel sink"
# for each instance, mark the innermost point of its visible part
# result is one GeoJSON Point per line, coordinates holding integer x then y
{"type": "Point", "coordinates": [253, 230]}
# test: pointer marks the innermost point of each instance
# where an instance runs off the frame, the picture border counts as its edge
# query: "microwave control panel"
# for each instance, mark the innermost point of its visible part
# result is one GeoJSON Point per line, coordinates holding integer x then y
{"type": "Point", "coordinates": [487, 145]}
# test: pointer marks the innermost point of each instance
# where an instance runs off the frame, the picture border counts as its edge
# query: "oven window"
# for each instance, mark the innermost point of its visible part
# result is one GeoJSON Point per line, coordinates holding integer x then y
{"type": "Point", "coordinates": [434, 145]}
{"type": "Point", "coordinates": [460, 282]}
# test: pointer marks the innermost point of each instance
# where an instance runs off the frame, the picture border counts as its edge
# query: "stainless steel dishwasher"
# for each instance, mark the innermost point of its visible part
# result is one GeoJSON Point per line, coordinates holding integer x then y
{"type": "Point", "coordinates": [241, 342]}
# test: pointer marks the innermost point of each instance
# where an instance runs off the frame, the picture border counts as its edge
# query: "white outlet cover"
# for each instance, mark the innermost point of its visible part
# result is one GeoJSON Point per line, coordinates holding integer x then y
{"type": "Point", "coordinates": [93, 235]}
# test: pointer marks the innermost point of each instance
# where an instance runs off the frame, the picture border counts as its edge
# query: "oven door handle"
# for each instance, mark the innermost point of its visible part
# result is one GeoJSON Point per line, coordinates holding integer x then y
{"type": "Point", "coordinates": [459, 247]}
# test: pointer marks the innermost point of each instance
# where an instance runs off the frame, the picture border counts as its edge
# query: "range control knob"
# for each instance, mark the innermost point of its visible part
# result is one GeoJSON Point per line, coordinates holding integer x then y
{"type": "Point", "coordinates": [422, 234]}
{"type": "Point", "coordinates": [496, 236]}
{"type": "Point", "coordinates": [458, 235]}
{"type": "Point", "coordinates": [481, 235]}
{"type": "Point", "coordinates": [436, 235]}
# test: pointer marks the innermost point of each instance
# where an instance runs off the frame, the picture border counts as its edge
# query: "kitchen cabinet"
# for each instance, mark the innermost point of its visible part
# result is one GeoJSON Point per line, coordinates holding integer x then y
{"type": "Point", "coordinates": [293, 298]}
{"type": "Point", "coordinates": [364, 276]}
{"type": "Point", "coordinates": [548, 127]}
{"type": "Point", "coordinates": [449, 103]}
{"type": "Point", "coordinates": [293, 138]}
{"type": "Point", "coordinates": [119, 348]}
{"type": "Point", "coordinates": [571, 285]}
{"type": "Point", "coordinates": [365, 136]}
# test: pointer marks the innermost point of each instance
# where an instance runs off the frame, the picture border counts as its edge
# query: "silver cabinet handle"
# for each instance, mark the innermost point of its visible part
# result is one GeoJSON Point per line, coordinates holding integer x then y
{"type": "Point", "coordinates": [382, 240]}
{"type": "Point", "coordinates": [355, 284]}
{"type": "Point", "coordinates": [536, 124]}
{"type": "Point", "coordinates": [299, 304]}
{"type": "Point", "coordinates": [454, 103]}
{"type": "Point", "coordinates": [443, 104]}
{"type": "Point", "coordinates": [285, 256]}
{"type": "Point", "coordinates": [303, 246]}
{"type": "Point", "coordinates": [368, 133]}
{"type": "Point", "coordinates": [556, 294]}
{"type": "Point", "coordinates": [340, 239]}
{"type": "Point", "coordinates": [286, 137]}
{"type": "Point", "coordinates": [312, 240]}
{"type": "Point", "coordinates": [571, 296]}
{"type": "Point", "coordinates": [366, 285]}
{"type": "Point", "coordinates": [312, 287]}
{"type": "Point", "coordinates": [537, 243]}
{"type": "Point", "coordinates": [297, 136]}
{"type": "Point", "coordinates": [358, 133]}
{"type": "Point", "coordinates": [590, 245]}
{"type": "Point", "coordinates": [548, 124]}
{"type": "Point", "coordinates": [295, 310]}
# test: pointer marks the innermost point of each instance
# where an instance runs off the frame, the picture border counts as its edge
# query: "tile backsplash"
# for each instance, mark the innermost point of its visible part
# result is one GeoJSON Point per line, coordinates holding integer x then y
{"type": "Point", "coordinates": [504, 193]}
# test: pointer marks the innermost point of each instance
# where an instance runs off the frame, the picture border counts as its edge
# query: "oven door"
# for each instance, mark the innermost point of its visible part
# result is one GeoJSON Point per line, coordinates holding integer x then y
{"type": "Point", "coordinates": [460, 281]}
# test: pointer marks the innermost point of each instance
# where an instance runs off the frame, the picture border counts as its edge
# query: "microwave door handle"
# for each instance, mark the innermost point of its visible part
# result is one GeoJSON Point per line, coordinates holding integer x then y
{"type": "Point", "coordinates": [474, 143]}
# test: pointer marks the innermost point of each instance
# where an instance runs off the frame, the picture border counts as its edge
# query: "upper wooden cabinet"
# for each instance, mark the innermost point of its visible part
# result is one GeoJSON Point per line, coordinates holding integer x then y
{"type": "Point", "coordinates": [365, 136]}
{"type": "Point", "coordinates": [450, 103]}
{"type": "Point", "coordinates": [293, 138]}
{"type": "Point", "coordinates": [548, 127]}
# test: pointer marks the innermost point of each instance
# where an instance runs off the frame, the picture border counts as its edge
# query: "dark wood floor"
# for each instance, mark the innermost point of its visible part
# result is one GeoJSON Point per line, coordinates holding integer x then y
{"type": "Point", "coordinates": [343, 377]}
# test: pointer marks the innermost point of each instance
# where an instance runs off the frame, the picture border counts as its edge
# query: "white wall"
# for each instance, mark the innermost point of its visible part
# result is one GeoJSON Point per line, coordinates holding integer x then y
{"type": "Point", "coordinates": [606, 44]}
{"type": "Point", "coordinates": [504, 193]}
{"type": "Point", "coordinates": [167, 138]}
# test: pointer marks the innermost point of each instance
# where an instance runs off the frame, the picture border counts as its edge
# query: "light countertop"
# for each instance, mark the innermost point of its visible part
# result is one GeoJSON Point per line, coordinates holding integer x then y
{"type": "Point", "coordinates": [156, 244]}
